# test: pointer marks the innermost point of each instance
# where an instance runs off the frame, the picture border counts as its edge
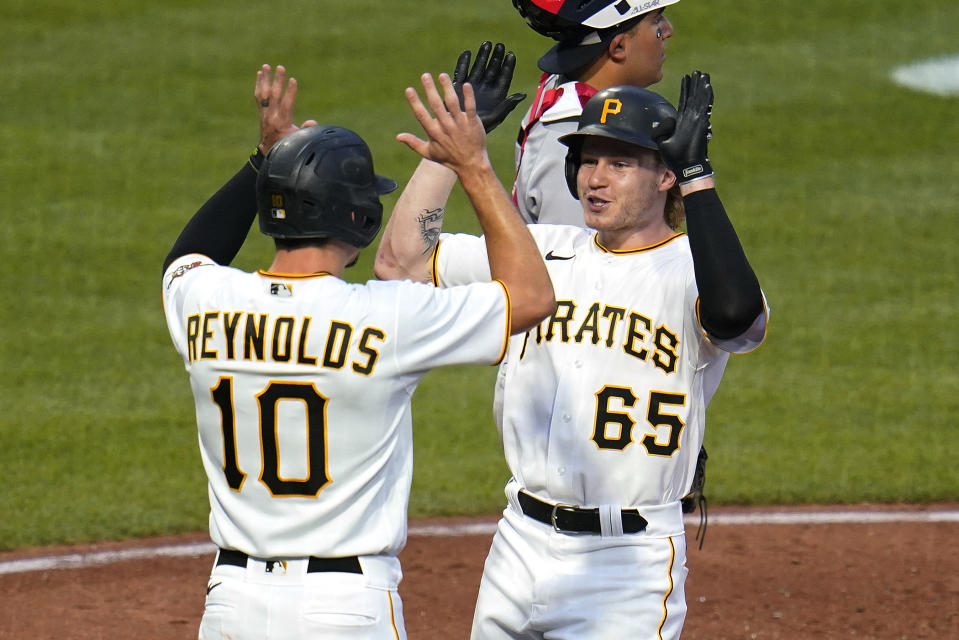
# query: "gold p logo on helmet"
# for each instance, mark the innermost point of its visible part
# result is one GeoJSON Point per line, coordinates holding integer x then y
{"type": "Point", "coordinates": [611, 107]}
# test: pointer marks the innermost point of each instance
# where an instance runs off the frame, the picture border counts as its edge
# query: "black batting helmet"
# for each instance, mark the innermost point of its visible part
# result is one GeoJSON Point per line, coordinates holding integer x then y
{"type": "Point", "coordinates": [318, 182]}
{"type": "Point", "coordinates": [565, 20]}
{"type": "Point", "coordinates": [624, 113]}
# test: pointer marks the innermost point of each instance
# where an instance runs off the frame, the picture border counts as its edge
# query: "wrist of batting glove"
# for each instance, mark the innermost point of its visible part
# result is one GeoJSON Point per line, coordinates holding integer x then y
{"type": "Point", "coordinates": [490, 77]}
{"type": "Point", "coordinates": [692, 171]}
{"type": "Point", "coordinates": [683, 140]}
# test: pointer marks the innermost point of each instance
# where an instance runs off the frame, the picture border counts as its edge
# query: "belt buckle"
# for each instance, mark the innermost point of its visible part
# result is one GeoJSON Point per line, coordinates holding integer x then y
{"type": "Point", "coordinates": [552, 515]}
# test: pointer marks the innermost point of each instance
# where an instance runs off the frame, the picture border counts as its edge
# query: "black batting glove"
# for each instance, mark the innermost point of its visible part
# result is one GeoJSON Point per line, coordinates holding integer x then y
{"type": "Point", "coordinates": [683, 140]}
{"type": "Point", "coordinates": [490, 77]}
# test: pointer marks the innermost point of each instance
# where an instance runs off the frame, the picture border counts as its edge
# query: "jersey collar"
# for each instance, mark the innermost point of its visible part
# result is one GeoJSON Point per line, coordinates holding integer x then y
{"type": "Point", "coordinates": [620, 252]}
{"type": "Point", "coordinates": [566, 101]}
{"type": "Point", "coordinates": [292, 276]}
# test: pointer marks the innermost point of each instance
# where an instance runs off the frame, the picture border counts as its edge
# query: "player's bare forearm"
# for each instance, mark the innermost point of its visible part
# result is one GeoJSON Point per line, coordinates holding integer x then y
{"type": "Point", "coordinates": [697, 185]}
{"type": "Point", "coordinates": [412, 232]}
{"type": "Point", "coordinates": [514, 258]}
{"type": "Point", "coordinates": [457, 140]}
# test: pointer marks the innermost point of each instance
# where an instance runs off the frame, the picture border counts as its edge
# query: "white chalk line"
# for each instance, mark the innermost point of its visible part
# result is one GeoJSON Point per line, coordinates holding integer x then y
{"type": "Point", "coordinates": [100, 558]}
{"type": "Point", "coordinates": [935, 75]}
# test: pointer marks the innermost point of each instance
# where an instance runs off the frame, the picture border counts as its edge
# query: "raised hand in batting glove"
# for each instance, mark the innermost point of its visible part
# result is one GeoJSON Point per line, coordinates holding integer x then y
{"type": "Point", "coordinates": [490, 77]}
{"type": "Point", "coordinates": [683, 140]}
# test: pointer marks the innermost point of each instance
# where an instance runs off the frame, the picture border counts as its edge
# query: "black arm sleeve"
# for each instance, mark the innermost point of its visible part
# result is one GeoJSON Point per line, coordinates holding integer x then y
{"type": "Point", "coordinates": [730, 299]}
{"type": "Point", "coordinates": [219, 227]}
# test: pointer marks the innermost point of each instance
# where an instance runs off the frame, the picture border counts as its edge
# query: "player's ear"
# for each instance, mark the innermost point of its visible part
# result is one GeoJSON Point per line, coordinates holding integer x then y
{"type": "Point", "coordinates": [616, 50]}
{"type": "Point", "coordinates": [666, 179]}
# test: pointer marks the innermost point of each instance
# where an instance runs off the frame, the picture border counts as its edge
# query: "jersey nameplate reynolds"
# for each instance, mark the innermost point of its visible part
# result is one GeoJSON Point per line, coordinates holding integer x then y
{"type": "Point", "coordinates": [254, 336]}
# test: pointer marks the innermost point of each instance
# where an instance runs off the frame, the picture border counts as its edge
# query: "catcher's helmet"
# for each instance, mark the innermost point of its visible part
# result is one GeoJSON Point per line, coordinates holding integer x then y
{"type": "Point", "coordinates": [624, 113]}
{"type": "Point", "coordinates": [318, 182]}
{"type": "Point", "coordinates": [566, 20]}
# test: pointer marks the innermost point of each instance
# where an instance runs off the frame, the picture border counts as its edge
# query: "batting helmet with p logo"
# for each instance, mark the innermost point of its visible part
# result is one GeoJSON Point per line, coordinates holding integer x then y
{"type": "Point", "coordinates": [611, 106]}
{"type": "Point", "coordinates": [625, 113]}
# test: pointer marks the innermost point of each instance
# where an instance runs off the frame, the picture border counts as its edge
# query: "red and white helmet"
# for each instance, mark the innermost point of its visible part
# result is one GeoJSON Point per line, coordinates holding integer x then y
{"type": "Point", "coordinates": [565, 20]}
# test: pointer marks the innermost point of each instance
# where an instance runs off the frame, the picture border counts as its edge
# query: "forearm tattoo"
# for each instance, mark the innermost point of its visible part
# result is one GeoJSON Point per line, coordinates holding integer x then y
{"type": "Point", "coordinates": [431, 224]}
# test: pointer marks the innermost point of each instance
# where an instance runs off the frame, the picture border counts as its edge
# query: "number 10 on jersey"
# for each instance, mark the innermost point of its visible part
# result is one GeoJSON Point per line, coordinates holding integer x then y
{"type": "Point", "coordinates": [267, 403]}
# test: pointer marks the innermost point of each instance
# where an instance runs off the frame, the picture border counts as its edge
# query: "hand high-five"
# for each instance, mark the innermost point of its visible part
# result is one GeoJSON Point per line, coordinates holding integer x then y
{"type": "Point", "coordinates": [490, 78]}
{"type": "Point", "coordinates": [456, 137]}
{"type": "Point", "coordinates": [275, 98]}
{"type": "Point", "coordinates": [683, 140]}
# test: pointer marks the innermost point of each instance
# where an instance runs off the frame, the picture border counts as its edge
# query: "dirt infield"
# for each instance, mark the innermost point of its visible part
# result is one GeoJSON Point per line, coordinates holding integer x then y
{"type": "Point", "coordinates": [880, 580]}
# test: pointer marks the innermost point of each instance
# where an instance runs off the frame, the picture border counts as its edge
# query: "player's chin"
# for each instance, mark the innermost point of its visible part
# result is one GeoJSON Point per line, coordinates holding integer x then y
{"type": "Point", "coordinates": [595, 220]}
{"type": "Point", "coordinates": [654, 77]}
{"type": "Point", "coordinates": [654, 74]}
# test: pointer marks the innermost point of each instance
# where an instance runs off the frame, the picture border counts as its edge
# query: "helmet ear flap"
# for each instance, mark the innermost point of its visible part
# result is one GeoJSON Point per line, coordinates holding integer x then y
{"type": "Point", "coordinates": [572, 169]}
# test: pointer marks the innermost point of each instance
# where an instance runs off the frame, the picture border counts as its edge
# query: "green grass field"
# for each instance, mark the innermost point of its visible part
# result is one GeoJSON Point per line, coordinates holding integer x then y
{"type": "Point", "coordinates": [119, 118]}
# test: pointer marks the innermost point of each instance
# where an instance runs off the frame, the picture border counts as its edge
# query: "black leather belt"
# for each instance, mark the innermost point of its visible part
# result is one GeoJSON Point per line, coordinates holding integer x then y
{"type": "Point", "coordinates": [575, 519]}
{"type": "Point", "coordinates": [350, 564]}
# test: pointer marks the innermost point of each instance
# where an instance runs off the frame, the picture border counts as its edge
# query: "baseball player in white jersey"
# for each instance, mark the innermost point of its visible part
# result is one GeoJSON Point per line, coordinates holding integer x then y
{"type": "Point", "coordinates": [302, 381]}
{"type": "Point", "coordinates": [601, 44]}
{"type": "Point", "coordinates": [601, 407]}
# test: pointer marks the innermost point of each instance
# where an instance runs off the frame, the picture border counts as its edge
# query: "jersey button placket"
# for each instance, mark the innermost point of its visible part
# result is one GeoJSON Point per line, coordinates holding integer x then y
{"type": "Point", "coordinates": [561, 469]}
